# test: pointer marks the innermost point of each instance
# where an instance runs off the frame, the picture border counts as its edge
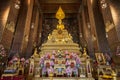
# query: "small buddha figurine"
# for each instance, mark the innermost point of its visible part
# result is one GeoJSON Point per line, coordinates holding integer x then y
{"type": "Point", "coordinates": [85, 52]}
{"type": "Point", "coordinates": [70, 37]}
{"type": "Point", "coordinates": [49, 37]}
{"type": "Point", "coordinates": [35, 53]}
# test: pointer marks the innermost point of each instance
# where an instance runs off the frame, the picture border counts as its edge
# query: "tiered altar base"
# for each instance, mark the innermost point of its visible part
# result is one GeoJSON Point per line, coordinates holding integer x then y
{"type": "Point", "coordinates": [61, 56]}
{"type": "Point", "coordinates": [62, 78]}
{"type": "Point", "coordinates": [59, 41]}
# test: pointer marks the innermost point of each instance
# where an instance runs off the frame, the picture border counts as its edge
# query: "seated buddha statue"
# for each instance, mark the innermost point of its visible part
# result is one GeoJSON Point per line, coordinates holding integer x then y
{"type": "Point", "coordinates": [49, 37]}
{"type": "Point", "coordinates": [85, 52]}
{"type": "Point", "coordinates": [35, 53]}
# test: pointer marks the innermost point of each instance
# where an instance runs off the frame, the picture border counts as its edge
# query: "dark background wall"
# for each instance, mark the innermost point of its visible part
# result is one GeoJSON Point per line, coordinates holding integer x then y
{"type": "Point", "coordinates": [71, 24]}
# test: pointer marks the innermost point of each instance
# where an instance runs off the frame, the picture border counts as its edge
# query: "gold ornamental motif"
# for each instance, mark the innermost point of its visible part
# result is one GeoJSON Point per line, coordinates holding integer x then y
{"type": "Point", "coordinates": [60, 14]}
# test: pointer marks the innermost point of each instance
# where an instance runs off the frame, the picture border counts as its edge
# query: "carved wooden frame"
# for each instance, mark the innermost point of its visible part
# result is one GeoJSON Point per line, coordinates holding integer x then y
{"type": "Point", "coordinates": [98, 56]}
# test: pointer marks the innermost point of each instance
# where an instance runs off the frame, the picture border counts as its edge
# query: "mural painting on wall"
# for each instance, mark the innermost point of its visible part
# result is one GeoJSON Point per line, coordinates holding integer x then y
{"type": "Point", "coordinates": [70, 24]}
{"type": "Point", "coordinates": [10, 26]}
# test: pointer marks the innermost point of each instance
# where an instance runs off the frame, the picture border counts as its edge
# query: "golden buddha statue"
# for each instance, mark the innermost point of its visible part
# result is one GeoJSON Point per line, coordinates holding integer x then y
{"type": "Point", "coordinates": [49, 37]}
{"type": "Point", "coordinates": [60, 26]}
{"type": "Point", "coordinates": [85, 52]}
{"type": "Point", "coordinates": [60, 15]}
{"type": "Point", "coordinates": [35, 53]}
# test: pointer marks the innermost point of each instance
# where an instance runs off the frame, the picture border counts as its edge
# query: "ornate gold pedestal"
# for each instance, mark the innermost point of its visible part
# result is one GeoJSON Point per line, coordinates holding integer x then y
{"type": "Point", "coordinates": [60, 41]}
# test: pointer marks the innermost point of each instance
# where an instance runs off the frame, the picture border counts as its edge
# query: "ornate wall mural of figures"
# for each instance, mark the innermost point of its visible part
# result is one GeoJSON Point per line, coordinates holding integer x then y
{"type": "Point", "coordinates": [10, 26]}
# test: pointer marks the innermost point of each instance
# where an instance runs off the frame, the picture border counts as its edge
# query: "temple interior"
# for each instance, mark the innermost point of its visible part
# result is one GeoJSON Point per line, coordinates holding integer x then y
{"type": "Point", "coordinates": [59, 39]}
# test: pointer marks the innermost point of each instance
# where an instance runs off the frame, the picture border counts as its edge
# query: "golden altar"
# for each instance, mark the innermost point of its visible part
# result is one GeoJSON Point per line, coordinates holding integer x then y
{"type": "Point", "coordinates": [60, 45]}
{"type": "Point", "coordinates": [61, 41]}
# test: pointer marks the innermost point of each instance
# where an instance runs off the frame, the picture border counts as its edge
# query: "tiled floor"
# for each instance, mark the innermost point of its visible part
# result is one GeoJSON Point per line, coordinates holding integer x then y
{"type": "Point", "coordinates": [65, 78]}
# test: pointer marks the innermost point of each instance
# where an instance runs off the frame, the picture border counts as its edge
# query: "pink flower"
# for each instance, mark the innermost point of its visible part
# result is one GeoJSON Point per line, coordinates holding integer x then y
{"type": "Point", "coordinates": [15, 59]}
{"type": "Point", "coordinates": [50, 70]}
{"type": "Point", "coordinates": [78, 60]}
{"type": "Point", "coordinates": [41, 60]}
{"type": "Point", "coordinates": [22, 59]}
{"type": "Point", "coordinates": [51, 63]}
{"type": "Point", "coordinates": [67, 56]}
{"type": "Point", "coordinates": [27, 61]}
{"type": "Point", "coordinates": [68, 70]}
{"type": "Point", "coordinates": [67, 63]}
{"type": "Point", "coordinates": [11, 61]}
{"type": "Point", "coordinates": [53, 52]}
{"type": "Point", "coordinates": [52, 57]}
{"type": "Point", "coordinates": [66, 52]}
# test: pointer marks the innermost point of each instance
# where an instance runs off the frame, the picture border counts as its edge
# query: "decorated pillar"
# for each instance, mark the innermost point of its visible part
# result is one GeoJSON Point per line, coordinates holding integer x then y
{"type": "Point", "coordinates": [111, 30]}
{"type": "Point", "coordinates": [39, 39]}
{"type": "Point", "coordinates": [81, 39]}
{"type": "Point", "coordinates": [87, 30]}
{"type": "Point", "coordinates": [27, 26]}
{"type": "Point", "coordinates": [33, 32]}
{"type": "Point", "coordinates": [19, 30]}
{"type": "Point", "coordinates": [97, 22]}
{"type": "Point", "coordinates": [8, 33]}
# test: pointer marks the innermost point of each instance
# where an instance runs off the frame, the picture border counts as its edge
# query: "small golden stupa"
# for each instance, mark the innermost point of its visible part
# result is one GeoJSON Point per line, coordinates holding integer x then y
{"type": "Point", "coordinates": [85, 52]}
